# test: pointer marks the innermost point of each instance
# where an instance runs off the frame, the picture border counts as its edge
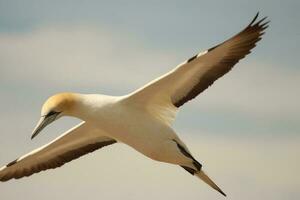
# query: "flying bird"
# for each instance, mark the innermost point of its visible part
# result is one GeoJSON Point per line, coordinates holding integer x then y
{"type": "Point", "coordinates": [141, 119]}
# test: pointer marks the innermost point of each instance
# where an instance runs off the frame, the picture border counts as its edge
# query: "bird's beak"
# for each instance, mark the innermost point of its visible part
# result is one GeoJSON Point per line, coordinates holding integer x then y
{"type": "Point", "coordinates": [43, 122]}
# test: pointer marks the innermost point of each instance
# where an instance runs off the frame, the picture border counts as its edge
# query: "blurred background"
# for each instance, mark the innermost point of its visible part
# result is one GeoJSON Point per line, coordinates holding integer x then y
{"type": "Point", "coordinates": [244, 129]}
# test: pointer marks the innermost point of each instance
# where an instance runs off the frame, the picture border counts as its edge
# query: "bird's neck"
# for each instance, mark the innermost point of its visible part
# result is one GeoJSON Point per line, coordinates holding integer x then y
{"type": "Point", "coordinates": [87, 107]}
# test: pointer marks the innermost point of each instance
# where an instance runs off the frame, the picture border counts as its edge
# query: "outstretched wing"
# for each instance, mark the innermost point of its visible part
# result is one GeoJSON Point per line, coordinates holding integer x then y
{"type": "Point", "coordinates": [76, 142]}
{"type": "Point", "coordinates": [192, 77]}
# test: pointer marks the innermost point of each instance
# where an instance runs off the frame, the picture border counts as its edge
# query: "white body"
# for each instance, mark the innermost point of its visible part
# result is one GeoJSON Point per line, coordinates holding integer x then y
{"type": "Point", "coordinates": [128, 123]}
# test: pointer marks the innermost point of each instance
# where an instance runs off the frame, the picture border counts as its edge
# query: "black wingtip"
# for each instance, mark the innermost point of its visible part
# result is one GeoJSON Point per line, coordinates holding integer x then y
{"type": "Point", "coordinates": [262, 23]}
{"type": "Point", "coordinates": [254, 19]}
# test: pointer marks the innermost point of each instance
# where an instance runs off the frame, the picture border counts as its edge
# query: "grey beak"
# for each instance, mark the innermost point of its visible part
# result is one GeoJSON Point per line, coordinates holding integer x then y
{"type": "Point", "coordinates": [43, 122]}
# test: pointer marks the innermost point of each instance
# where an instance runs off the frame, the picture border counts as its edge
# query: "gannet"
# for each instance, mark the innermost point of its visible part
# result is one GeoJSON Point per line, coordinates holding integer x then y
{"type": "Point", "coordinates": [141, 119]}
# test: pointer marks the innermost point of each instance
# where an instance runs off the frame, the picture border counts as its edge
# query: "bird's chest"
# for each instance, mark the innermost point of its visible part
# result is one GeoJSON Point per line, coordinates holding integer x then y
{"type": "Point", "coordinates": [134, 128]}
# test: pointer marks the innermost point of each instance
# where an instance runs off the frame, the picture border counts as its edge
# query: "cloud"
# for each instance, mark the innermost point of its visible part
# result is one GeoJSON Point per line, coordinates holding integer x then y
{"type": "Point", "coordinates": [257, 88]}
{"type": "Point", "coordinates": [83, 56]}
{"type": "Point", "coordinates": [89, 57]}
{"type": "Point", "coordinates": [250, 167]}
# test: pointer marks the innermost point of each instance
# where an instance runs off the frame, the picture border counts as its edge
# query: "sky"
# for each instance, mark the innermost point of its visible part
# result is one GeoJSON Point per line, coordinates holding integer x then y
{"type": "Point", "coordinates": [244, 129]}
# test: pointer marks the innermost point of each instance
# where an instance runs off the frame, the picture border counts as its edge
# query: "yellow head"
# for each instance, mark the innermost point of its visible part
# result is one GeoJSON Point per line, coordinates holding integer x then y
{"type": "Point", "coordinates": [62, 103]}
{"type": "Point", "coordinates": [54, 108]}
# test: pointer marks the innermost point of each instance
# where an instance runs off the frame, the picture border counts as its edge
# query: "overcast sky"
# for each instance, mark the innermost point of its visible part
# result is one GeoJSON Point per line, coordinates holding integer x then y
{"type": "Point", "coordinates": [244, 129]}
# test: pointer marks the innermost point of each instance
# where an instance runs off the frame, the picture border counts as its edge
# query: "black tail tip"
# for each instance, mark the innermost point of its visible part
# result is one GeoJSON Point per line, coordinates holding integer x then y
{"type": "Point", "coordinates": [223, 193]}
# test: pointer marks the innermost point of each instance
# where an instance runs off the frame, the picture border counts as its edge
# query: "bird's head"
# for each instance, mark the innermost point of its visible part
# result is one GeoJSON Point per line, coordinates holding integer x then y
{"type": "Point", "coordinates": [55, 107]}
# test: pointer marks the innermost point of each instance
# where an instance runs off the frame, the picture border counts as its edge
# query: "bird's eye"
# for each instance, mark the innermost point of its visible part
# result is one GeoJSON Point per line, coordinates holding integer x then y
{"type": "Point", "coordinates": [52, 112]}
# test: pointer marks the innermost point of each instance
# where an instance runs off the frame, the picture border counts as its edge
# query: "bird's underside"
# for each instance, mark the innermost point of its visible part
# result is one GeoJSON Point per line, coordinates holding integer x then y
{"type": "Point", "coordinates": [160, 98]}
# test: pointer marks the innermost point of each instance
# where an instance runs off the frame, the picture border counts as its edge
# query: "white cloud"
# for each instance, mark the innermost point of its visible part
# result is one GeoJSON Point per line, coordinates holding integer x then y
{"type": "Point", "coordinates": [256, 88]}
{"type": "Point", "coordinates": [250, 167]}
{"type": "Point", "coordinates": [77, 55]}
{"type": "Point", "coordinates": [86, 56]}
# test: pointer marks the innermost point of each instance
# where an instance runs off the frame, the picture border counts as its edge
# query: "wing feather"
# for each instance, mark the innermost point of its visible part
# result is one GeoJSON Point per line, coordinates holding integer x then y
{"type": "Point", "coordinates": [193, 76]}
{"type": "Point", "coordinates": [76, 142]}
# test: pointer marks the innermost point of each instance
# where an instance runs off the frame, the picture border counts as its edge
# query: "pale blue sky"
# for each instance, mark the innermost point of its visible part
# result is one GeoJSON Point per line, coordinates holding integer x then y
{"type": "Point", "coordinates": [114, 47]}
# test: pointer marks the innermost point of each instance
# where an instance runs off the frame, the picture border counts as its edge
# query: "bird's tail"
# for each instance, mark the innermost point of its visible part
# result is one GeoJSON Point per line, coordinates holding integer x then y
{"type": "Point", "coordinates": [200, 174]}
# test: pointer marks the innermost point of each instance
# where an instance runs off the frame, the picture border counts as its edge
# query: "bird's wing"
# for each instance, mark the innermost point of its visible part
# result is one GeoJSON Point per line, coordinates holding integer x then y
{"type": "Point", "coordinates": [193, 76]}
{"type": "Point", "coordinates": [76, 142]}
